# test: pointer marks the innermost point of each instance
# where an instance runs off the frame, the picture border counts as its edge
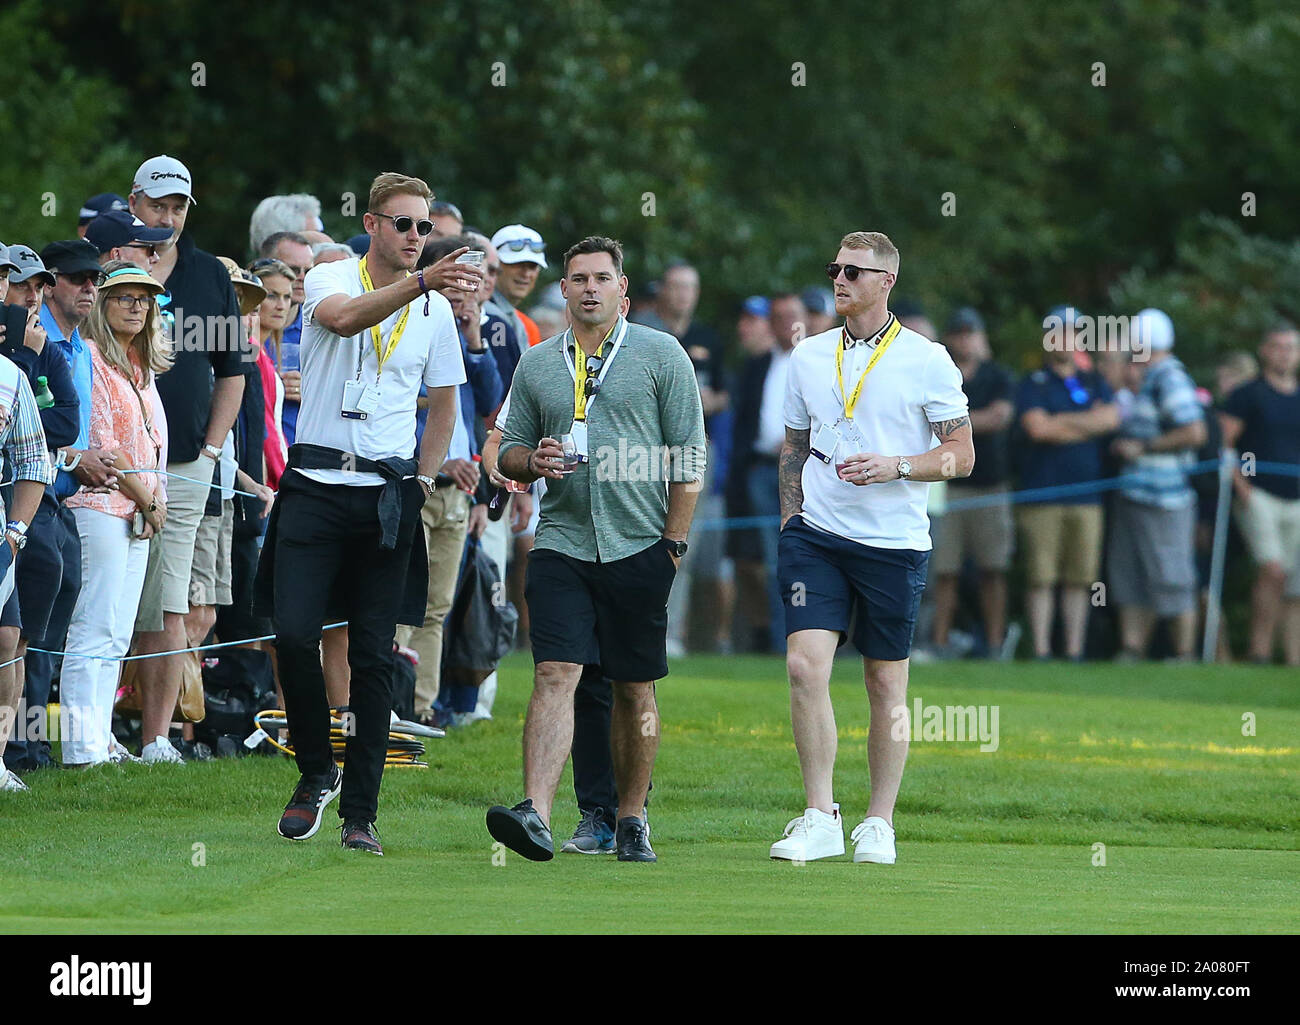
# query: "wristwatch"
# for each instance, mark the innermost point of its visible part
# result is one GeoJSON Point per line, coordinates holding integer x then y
{"type": "Point", "coordinates": [17, 529]}
{"type": "Point", "coordinates": [212, 452]}
{"type": "Point", "coordinates": [678, 548]}
{"type": "Point", "coordinates": [428, 482]}
{"type": "Point", "coordinates": [904, 468]}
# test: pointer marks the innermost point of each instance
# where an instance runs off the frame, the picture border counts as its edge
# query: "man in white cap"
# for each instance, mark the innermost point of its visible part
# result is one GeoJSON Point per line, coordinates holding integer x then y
{"type": "Point", "coordinates": [201, 395]}
{"type": "Point", "coordinates": [522, 255]}
{"type": "Point", "coordinates": [1152, 566]}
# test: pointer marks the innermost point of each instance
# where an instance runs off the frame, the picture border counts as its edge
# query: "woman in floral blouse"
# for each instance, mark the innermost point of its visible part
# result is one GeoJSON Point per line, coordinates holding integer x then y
{"type": "Point", "coordinates": [127, 351]}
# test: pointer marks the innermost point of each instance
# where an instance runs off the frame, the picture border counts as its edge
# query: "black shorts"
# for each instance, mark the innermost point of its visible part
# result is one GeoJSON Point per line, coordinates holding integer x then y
{"type": "Point", "coordinates": [614, 614]}
{"type": "Point", "coordinates": [826, 578]}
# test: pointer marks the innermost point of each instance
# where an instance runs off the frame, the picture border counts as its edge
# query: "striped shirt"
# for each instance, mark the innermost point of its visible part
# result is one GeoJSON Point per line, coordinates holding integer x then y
{"type": "Point", "coordinates": [1166, 400]}
{"type": "Point", "coordinates": [21, 434]}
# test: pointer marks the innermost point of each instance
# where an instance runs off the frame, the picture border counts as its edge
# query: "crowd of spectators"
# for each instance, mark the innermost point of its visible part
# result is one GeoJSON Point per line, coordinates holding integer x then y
{"type": "Point", "coordinates": [149, 393]}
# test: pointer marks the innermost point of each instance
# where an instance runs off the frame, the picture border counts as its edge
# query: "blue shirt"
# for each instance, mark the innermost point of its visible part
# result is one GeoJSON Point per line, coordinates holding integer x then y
{"type": "Point", "coordinates": [481, 393]}
{"type": "Point", "coordinates": [1046, 465]}
{"type": "Point", "coordinates": [290, 344]}
{"type": "Point", "coordinates": [1166, 400]}
{"type": "Point", "coordinates": [77, 354]}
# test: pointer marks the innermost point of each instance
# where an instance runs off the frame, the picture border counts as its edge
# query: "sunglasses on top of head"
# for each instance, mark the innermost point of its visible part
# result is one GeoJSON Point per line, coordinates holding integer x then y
{"type": "Point", "coordinates": [851, 271]}
{"type": "Point", "coordinates": [403, 223]}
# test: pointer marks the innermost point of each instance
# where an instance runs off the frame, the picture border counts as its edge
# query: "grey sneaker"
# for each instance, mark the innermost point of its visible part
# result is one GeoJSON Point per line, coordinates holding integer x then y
{"type": "Point", "coordinates": [593, 835]}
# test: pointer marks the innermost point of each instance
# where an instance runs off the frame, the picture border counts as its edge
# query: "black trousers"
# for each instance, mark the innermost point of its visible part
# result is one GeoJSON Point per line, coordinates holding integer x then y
{"type": "Point", "coordinates": [60, 564]}
{"type": "Point", "coordinates": [328, 549]}
{"type": "Point", "coordinates": [593, 765]}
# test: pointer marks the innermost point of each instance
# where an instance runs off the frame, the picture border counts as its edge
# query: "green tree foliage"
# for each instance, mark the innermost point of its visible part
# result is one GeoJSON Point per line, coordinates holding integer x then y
{"type": "Point", "coordinates": [1021, 154]}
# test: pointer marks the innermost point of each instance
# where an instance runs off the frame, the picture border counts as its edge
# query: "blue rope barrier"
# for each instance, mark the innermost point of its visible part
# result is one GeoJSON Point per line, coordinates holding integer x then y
{"type": "Point", "coordinates": [155, 654]}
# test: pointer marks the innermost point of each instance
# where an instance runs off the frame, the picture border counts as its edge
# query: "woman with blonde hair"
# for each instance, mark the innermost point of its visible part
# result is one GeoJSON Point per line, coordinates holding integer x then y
{"type": "Point", "coordinates": [128, 350]}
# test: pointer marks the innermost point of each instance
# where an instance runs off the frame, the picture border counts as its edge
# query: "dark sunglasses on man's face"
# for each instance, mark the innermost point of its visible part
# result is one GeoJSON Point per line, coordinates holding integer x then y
{"type": "Point", "coordinates": [79, 278]}
{"type": "Point", "coordinates": [851, 271]}
{"type": "Point", "coordinates": [148, 247]}
{"type": "Point", "coordinates": [403, 223]}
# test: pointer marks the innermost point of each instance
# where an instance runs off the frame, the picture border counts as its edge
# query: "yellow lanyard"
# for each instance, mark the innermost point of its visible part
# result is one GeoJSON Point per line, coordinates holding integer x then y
{"type": "Point", "coordinates": [580, 373]}
{"type": "Point", "coordinates": [851, 401]}
{"type": "Point", "coordinates": [376, 337]}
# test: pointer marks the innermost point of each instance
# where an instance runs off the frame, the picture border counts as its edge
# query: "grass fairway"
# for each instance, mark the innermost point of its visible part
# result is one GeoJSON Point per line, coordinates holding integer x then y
{"type": "Point", "coordinates": [1198, 821]}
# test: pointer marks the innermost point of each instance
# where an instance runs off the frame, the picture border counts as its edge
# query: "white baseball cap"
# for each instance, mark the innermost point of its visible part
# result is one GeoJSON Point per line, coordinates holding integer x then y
{"type": "Point", "coordinates": [1155, 330]}
{"type": "Point", "coordinates": [518, 243]}
{"type": "Point", "coordinates": [163, 176]}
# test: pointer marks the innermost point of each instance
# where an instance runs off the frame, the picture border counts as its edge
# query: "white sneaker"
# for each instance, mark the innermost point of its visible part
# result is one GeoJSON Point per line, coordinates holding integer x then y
{"type": "Point", "coordinates": [874, 841]}
{"type": "Point", "coordinates": [119, 755]}
{"type": "Point", "coordinates": [161, 750]}
{"type": "Point", "coordinates": [812, 836]}
{"type": "Point", "coordinates": [10, 781]}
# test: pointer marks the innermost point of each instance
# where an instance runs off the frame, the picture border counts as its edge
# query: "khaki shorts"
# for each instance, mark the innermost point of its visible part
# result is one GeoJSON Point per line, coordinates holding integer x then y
{"type": "Point", "coordinates": [1062, 543]}
{"type": "Point", "coordinates": [1271, 528]}
{"type": "Point", "coordinates": [175, 560]}
{"type": "Point", "coordinates": [984, 534]}
{"type": "Point", "coordinates": [149, 614]}
{"type": "Point", "coordinates": [210, 571]}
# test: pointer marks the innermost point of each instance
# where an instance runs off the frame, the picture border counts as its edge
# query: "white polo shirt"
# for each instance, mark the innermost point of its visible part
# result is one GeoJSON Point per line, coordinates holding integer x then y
{"type": "Point", "coordinates": [429, 352]}
{"type": "Point", "coordinates": [914, 384]}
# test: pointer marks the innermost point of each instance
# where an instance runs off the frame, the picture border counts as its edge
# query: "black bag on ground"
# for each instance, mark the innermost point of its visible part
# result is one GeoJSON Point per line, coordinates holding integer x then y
{"type": "Point", "coordinates": [480, 629]}
{"type": "Point", "coordinates": [403, 685]}
{"type": "Point", "coordinates": [237, 684]}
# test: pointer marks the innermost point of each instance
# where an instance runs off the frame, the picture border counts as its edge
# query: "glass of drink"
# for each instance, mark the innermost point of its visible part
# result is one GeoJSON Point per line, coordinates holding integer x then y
{"type": "Point", "coordinates": [473, 258]}
{"type": "Point", "coordinates": [569, 448]}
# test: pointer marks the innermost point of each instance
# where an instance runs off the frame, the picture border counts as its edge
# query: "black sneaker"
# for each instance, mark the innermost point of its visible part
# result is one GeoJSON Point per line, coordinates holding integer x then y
{"type": "Point", "coordinates": [303, 813]}
{"type": "Point", "coordinates": [633, 839]}
{"type": "Point", "coordinates": [360, 835]}
{"type": "Point", "coordinates": [521, 829]}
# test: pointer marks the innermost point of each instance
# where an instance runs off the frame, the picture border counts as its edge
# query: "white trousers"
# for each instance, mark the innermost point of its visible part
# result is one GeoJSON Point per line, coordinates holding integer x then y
{"type": "Point", "coordinates": [113, 564]}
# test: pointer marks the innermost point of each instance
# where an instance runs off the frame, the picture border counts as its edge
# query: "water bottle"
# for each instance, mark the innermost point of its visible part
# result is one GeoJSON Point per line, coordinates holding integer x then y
{"type": "Point", "coordinates": [44, 398]}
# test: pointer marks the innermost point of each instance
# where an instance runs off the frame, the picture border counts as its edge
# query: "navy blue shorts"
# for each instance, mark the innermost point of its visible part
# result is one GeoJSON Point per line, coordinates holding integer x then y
{"type": "Point", "coordinates": [831, 583]}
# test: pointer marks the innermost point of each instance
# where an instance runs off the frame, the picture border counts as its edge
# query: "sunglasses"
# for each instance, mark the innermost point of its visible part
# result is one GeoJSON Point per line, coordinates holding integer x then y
{"type": "Point", "coordinates": [148, 247]}
{"type": "Point", "coordinates": [81, 277]}
{"type": "Point", "coordinates": [592, 383]}
{"type": "Point", "coordinates": [131, 302]}
{"type": "Point", "coordinates": [520, 244]}
{"type": "Point", "coordinates": [851, 271]}
{"type": "Point", "coordinates": [1078, 393]}
{"type": "Point", "coordinates": [403, 223]}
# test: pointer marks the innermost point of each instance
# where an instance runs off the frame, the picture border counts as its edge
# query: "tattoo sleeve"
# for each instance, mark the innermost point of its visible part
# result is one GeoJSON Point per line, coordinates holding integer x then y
{"type": "Point", "coordinates": [794, 453]}
{"type": "Point", "coordinates": [944, 428]}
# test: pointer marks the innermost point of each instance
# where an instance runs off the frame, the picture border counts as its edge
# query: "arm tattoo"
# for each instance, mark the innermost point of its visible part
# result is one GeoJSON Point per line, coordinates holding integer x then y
{"type": "Point", "coordinates": [945, 427]}
{"type": "Point", "coordinates": [794, 453]}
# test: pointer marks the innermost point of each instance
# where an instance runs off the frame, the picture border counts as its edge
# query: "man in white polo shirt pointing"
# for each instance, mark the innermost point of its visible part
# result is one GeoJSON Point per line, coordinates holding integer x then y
{"type": "Point", "coordinates": [346, 525]}
{"type": "Point", "coordinates": [873, 412]}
